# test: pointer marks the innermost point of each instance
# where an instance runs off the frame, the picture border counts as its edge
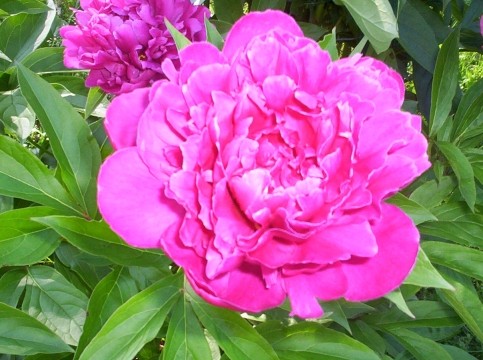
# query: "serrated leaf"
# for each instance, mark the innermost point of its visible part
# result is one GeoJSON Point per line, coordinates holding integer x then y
{"type": "Point", "coordinates": [445, 82]}
{"type": "Point", "coordinates": [233, 334]}
{"type": "Point", "coordinates": [23, 241]}
{"type": "Point", "coordinates": [74, 147]}
{"type": "Point", "coordinates": [313, 341]}
{"type": "Point", "coordinates": [425, 275]}
{"type": "Point", "coordinates": [462, 169]}
{"type": "Point", "coordinates": [465, 301]}
{"type": "Point", "coordinates": [185, 338]}
{"type": "Point", "coordinates": [111, 292]}
{"type": "Point", "coordinates": [55, 302]}
{"type": "Point", "coordinates": [24, 176]}
{"type": "Point", "coordinates": [422, 348]}
{"type": "Point", "coordinates": [134, 323]}
{"type": "Point", "coordinates": [460, 258]}
{"type": "Point", "coordinates": [96, 238]}
{"type": "Point", "coordinates": [21, 334]}
{"type": "Point", "coordinates": [376, 20]}
{"type": "Point", "coordinates": [417, 212]}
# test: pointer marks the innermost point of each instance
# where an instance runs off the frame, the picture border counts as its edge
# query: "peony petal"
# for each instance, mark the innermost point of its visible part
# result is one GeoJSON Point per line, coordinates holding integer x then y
{"type": "Point", "coordinates": [241, 289]}
{"type": "Point", "coordinates": [398, 242]}
{"type": "Point", "coordinates": [123, 116]}
{"type": "Point", "coordinates": [303, 290]}
{"type": "Point", "coordinates": [257, 23]}
{"type": "Point", "coordinates": [132, 202]}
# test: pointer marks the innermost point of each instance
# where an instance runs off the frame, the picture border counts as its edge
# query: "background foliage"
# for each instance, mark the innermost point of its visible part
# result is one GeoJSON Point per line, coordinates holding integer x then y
{"type": "Point", "coordinates": [71, 289]}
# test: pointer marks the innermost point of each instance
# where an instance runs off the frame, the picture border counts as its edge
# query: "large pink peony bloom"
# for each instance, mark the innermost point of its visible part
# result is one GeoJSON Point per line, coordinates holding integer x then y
{"type": "Point", "coordinates": [262, 170]}
{"type": "Point", "coordinates": [123, 42]}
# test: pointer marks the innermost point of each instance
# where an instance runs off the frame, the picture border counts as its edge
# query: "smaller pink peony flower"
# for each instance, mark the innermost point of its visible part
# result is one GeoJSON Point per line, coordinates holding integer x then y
{"type": "Point", "coordinates": [263, 170]}
{"type": "Point", "coordinates": [124, 42]}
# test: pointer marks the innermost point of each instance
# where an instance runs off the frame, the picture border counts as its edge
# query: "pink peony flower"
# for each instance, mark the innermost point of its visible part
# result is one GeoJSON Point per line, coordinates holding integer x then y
{"type": "Point", "coordinates": [123, 42]}
{"type": "Point", "coordinates": [262, 170]}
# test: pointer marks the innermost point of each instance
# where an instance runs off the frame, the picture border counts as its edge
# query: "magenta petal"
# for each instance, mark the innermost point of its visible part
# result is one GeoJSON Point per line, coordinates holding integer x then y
{"type": "Point", "coordinates": [303, 290]}
{"type": "Point", "coordinates": [257, 23]}
{"type": "Point", "coordinates": [241, 289]}
{"type": "Point", "coordinates": [398, 242]}
{"type": "Point", "coordinates": [123, 116]}
{"type": "Point", "coordinates": [132, 201]}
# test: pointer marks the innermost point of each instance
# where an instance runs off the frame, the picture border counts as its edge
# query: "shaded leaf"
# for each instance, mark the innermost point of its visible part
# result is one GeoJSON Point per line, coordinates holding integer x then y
{"type": "Point", "coordinates": [422, 348]}
{"type": "Point", "coordinates": [12, 285]}
{"type": "Point", "coordinates": [21, 334]}
{"type": "Point", "coordinates": [212, 35]}
{"type": "Point", "coordinates": [228, 10]}
{"type": "Point", "coordinates": [46, 60]}
{"type": "Point", "coordinates": [74, 147]}
{"type": "Point", "coordinates": [260, 5]}
{"type": "Point", "coordinates": [23, 241]}
{"type": "Point", "coordinates": [55, 302]}
{"type": "Point", "coordinates": [134, 323]}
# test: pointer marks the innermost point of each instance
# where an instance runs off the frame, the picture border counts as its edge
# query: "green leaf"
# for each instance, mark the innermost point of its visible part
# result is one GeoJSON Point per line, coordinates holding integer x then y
{"type": "Point", "coordinates": [74, 147]}
{"type": "Point", "coordinates": [460, 258]}
{"type": "Point", "coordinates": [46, 60]}
{"type": "Point", "coordinates": [457, 353]}
{"type": "Point", "coordinates": [23, 6]}
{"type": "Point", "coordinates": [111, 292]}
{"type": "Point", "coordinates": [185, 338]}
{"type": "Point", "coordinates": [376, 20]}
{"type": "Point", "coordinates": [12, 285]}
{"type": "Point", "coordinates": [333, 310]}
{"type": "Point", "coordinates": [416, 36]}
{"type": "Point", "coordinates": [16, 115]}
{"type": "Point", "coordinates": [445, 82]}
{"type": "Point", "coordinates": [308, 340]}
{"type": "Point", "coordinates": [465, 301]}
{"type": "Point", "coordinates": [21, 34]}
{"type": "Point", "coordinates": [470, 111]}
{"type": "Point", "coordinates": [466, 231]}
{"type": "Point", "coordinates": [367, 335]}
{"type": "Point", "coordinates": [21, 334]}
{"type": "Point", "coordinates": [421, 347]}
{"type": "Point", "coordinates": [24, 176]}
{"type": "Point", "coordinates": [23, 241]}
{"type": "Point", "coordinates": [462, 169]}
{"type": "Point", "coordinates": [425, 275]}
{"type": "Point", "coordinates": [432, 193]}
{"type": "Point", "coordinates": [360, 46]}
{"type": "Point", "coordinates": [418, 213]}
{"type": "Point", "coordinates": [180, 40]}
{"type": "Point", "coordinates": [312, 31]}
{"type": "Point", "coordinates": [228, 10]}
{"type": "Point", "coordinates": [55, 302]}
{"type": "Point", "coordinates": [212, 35]}
{"type": "Point", "coordinates": [329, 43]}
{"type": "Point", "coordinates": [397, 299]}
{"type": "Point", "coordinates": [94, 98]}
{"type": "Point", "coordinates": [232, 333]}
{"type": "Point", "coordinates": [97, 238]}
{"type": "Point", "coordinates": [260, 5]}
{"type": "Point", "coordinates": [426, 313]}
{"type": "Point", "coordinates": [134, 323]}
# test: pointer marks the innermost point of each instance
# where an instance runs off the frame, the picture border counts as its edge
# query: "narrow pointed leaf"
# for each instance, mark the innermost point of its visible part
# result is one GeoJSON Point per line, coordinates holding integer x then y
{"type": "Point", "coordinates": [445, 82]}
{"type": "Point", "coordinates": [24, 241]}
{"type": "Point", "coordinates": [425, 275]}
{"type": "Point", "coordinates": [180, 40]}
{"type": "Point", "coordinates": [135, 323]}
{"type": "Point", "coordinates": [212, 35]}
{"type": "Point", "coordinates": [74, 147]}
{"type": "Point", "coordinates": [24, 176]}
{"type": "Point", "coordinates": [422, 348]}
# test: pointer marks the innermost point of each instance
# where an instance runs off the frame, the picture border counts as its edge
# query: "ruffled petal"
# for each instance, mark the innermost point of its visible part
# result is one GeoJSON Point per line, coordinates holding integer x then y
{"type": "Point", "coordinates": [398, 242]}
{"type": "Point", "coordinates": [257, 23]}
{"type": "Point", "coordinates": [123, 116]}
{"type": "Point", "coordinates": [132, 201]}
